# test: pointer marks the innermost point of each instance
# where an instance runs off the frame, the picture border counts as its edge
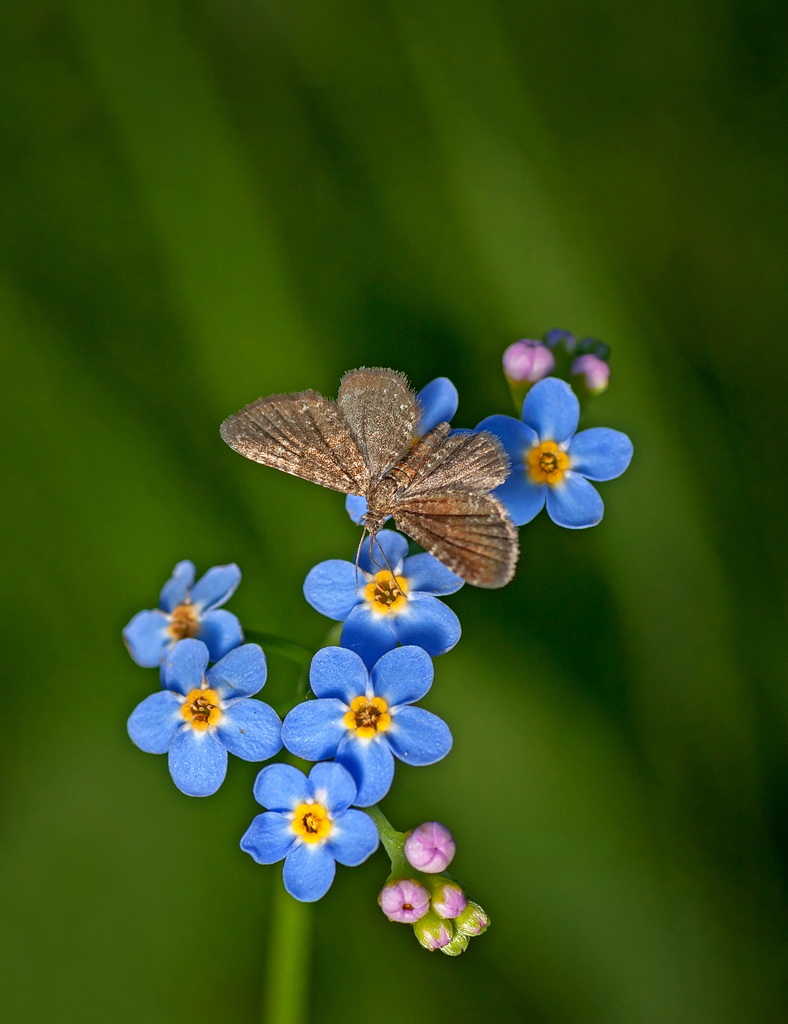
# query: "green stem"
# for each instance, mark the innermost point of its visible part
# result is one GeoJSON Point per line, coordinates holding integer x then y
{"type": "Point", "coordinates": [392, 840]}
{"type": "Point", "coordinates": [284, 998]}
{"type": "Point", "coordinates": [296, 652]}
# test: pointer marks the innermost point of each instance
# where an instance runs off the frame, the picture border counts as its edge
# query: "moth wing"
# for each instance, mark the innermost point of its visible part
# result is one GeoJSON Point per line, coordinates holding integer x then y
{"type": "Point", "coordinates": [382, 413]}
{"type": "Point", "coordinates": [469, 533]}
{"type": "Point", "coordinates": [303, 434]}
{"type": "Point", "coordinates": [463, 461]}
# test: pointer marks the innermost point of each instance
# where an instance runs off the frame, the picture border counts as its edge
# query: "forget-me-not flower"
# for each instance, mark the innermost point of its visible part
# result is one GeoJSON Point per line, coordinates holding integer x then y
{"type": "Point", "coordinates": [201, 715]}
{"type": "Point", "coordinates": [551, 464]}
{"type": "Point", "coordinates": [309, 823]}
{"type": "Point", "coordinates": [364, 719]}
{"type": "Point", "coordinates": [187, 609]}
{"type": "Point", "coordinates": [438, 402]}
{"type": "Point", "coordinates": [389, 598]}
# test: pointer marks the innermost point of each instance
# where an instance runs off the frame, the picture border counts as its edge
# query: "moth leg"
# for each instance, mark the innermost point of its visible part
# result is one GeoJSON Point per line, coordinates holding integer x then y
{"type": "Point", "coordinates": [358, 552]}
{"type": "Point", "coordinates": [394, 585]}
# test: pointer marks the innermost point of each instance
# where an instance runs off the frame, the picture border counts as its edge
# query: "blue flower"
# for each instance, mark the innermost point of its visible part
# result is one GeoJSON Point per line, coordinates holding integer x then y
{"type": "Point", "coordinates": [311, 824]}
{"type": "Point", "coordinates": [187, 609]}
{"type": "Point", "coordinates": [201, 715]}
{"type": "Point", "coordinates": [363, 719]}
{"type": "Point", "coordinates": [438, 401]}
{"type": "Point", "coordinates": [551, 463]}
{"type": "Point", "coordinates": [388, 599]}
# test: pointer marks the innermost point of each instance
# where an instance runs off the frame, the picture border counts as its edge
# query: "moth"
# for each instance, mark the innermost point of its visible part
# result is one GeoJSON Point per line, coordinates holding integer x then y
{"type": "Point", "coordinates": [435, 487]}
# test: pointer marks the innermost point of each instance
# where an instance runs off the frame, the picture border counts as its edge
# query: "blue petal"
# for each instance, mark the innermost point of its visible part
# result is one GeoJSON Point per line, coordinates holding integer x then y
{"type": "Point", "coordinates": [269, 837]}
{"type": "Point", "coordinates": [516, 437]}
{"type": "Point", "coordinates": [221, 632]}
{"type": "Point", "coordinates": [185, 666]}
{"type": "Point", "coordinates": [197, 762]}
{"type": "Point", "coordinates": [176, 589]}
{"type": "Point", "coordinates": [154, 721]}
{"type": "Point", "coordinates": [402, 676]}
{"type": "Point", "coordinates": [216, 586]}
{"type": "Point", "coordinates": [368, 634]}
{"type": "Point", "coordinates": [418, 737]}
{"type": "Point", "coordinates": [280, 787]}
{"type": "Point", "coordinates": [387, 549]}
{"type": "Point", "coordinates": [312, 730]}
{"type": "Point", "coordinates": [523, 499]}
{"type": "Point", "coordinates": [428, 623]}
{"type": "Point", "coordinates": [438, 401]}
{"type": "Point", "coordinates": [575, 503]}
{"type": "Point", "coordinates": [240, 673]}
{"type": "Point", "coordinates": [552, 409]}
{"type": "Point", "coordinates": [356, 507]}
{"type": "Point", "coordinates": [333, 786]}
{"type": "Point", "coordinates": [147, 639]}
{"type": "Point", "coordinates": [600, 453]}
{"type": "Point", "coordinates": [335, 672]}
{"type": "Point", "coordinates": [332, 588]}
{"type": "Point", "coordinates": [353, 838]}
{"type": "Point", "coordinates": [426, 574]}
{"type": "Point", "coordinates": [371, 764]}
{"type": "Point", "coordinates": [251, 730]}
{"type": "Point", "coordinates": [308, 872]}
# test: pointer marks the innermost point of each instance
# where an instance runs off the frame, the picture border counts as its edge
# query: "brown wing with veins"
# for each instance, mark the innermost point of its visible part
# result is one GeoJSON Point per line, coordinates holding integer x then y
{"type": "Point", "coordinates": [303, 434]}
{"type": "Point", "coordinates": [382, 414]}
{"type": "Point", "coordinates": [462, 461]}
{"type": "Point", "coordinates": [470, 533]}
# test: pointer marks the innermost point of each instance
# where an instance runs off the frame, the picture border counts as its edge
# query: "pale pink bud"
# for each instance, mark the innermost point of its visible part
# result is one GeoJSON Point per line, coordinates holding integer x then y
{"type": "Point", "coordinates": [430, 847]}
{"type": "Point", "coordinates": [404, 901]}
{"type": "Point", "coordinates": [594, 371]}
{"type": "Point", "coordinates": [528, 360]}
{"type": "Point", "coordinates": [448, 899]}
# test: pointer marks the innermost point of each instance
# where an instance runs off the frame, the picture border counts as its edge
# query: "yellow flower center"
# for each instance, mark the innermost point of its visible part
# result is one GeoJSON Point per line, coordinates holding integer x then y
{"type": "Point", "coordinates": [184, 621]}
{"type": "Point", "coordinates": [386, 593]}
{"type": "Point", "coordinates": [547, 463]}
{"type": "Point", "coordinates": [201, 709]}
{"type": "Point", "coordinates": [367, 716]}
{"type": "Point", "coordinates": [312, 822]}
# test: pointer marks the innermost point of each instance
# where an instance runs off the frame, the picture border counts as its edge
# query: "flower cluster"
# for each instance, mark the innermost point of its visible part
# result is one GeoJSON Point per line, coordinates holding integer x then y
{"type": "Point", "coordinates": [363, 712]}
{"type": "Point", "coordinates": [361, 720]}
{"type": "Point", "coordinates": [419, 893]}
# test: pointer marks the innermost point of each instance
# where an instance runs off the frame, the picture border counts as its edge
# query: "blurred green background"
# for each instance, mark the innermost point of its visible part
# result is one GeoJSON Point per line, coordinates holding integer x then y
{"type": "Point", "coordinates": [206, 202]}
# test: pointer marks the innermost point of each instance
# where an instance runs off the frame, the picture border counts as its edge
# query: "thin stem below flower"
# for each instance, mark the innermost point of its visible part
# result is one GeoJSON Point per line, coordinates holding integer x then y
{"type": "Point", "coordinates": [392, 840]}
{"type": "Point", "coordinates": [296, 652]}
{"type": "Point", "coordinates": [284, 997]}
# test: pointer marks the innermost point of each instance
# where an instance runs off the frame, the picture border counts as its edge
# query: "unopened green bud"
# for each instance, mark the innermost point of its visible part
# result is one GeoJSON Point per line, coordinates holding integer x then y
{"type": "Point", "coordinates": [473, 920]}
{"type": "Point", "coordinates": [433, 932]}
{"type": "Point", "coordinates": [458, 944]}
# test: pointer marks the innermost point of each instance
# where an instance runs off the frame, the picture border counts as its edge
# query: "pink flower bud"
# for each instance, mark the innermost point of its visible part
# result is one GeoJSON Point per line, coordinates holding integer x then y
{"type": "Point", "coordinates": [448, 899]}
{"type": "Point", "coordinates": [528, 360]}
{"type": "Point", "coordinates": [430, 847]}
{"type": "Point", "coordinates": [405, 901]}
{"type": "Point", "coordinates": [594, 371]}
